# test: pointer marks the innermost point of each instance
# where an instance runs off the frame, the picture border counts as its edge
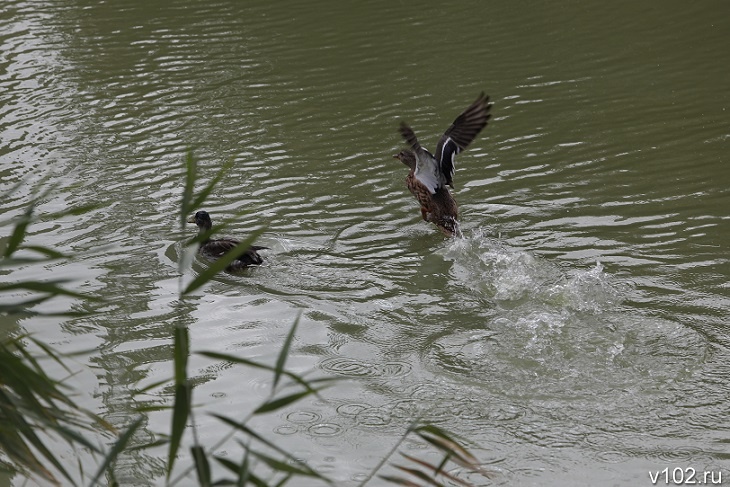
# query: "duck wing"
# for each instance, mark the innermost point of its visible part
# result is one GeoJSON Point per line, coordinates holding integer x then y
{"type": "Point", "coordinates": [427, 169]}
{"type": "Point", "coordinates": [219, 247]}
{"type": "Point", "coordinates": [460, 134]}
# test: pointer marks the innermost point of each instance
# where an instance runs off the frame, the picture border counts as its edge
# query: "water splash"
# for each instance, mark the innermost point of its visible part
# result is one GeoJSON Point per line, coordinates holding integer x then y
{"type": "Point", "coordinates": [511, 276]}
{"type": "Point", "coordinates": [590, 290]}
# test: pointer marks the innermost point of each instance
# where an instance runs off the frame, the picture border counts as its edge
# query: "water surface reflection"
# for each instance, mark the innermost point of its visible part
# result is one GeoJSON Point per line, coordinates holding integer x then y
{"type": "Point", "coordinates": [579, 329]}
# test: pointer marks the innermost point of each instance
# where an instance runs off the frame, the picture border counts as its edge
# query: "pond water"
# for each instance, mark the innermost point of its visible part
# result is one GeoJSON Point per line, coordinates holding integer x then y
{"type": "Point", "coordinates": [577, 334]}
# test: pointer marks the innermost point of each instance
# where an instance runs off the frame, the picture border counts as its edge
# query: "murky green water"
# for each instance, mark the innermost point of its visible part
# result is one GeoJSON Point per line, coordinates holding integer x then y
{"type": "Point", "coordinates": [578, 334]}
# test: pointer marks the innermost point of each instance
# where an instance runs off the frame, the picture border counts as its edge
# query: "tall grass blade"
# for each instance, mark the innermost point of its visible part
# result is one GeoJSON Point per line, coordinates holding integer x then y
{"type": "Point", "coordinates": [50, 254]}
{"type": "Point", "coordinates": [180, 414]}
{"type": "Point", "coordinates": [202, 467]}
{"type": "Point", "coordinates": [21, 227]}
{"type": "Point", "coordinates": [23, 307]}
{"type": "Point", "coordinates": [74, 437]}
{"type": "Point", "coordinates": [205, 192]}
{"type": "Point", "coordinates": [250, 363]}
{"type": "Point", "coordinates": [17, 450]}
{"type": "Point", "coordinates": [242, 427]}
{"type": "Point", "coordinates": [436, 469]}
{"type": "Point", "coordinates": [47, 351]}
{"type": "Point", "coordinates": [119, 446]}
{"type": "Point", "coordinates": [243, 471]}
{"type": "Point", "coordinates": [443, 441]}
{"type": "Point", "coordinates": [183, 394]}
{"type": "Point", "coordinates": [248, 431]}
{"type": "Point", "coordinates": [16, 238]}
{"type": "Point", "coordinates": [191, 202]}
{"type": "Point", "coordinates": [72, 211]}
{"type": "Point", "coordinates": [283, 481]}
{"type": "Point", "coordinates": [382, 461]}
{"type": "Point", "coordinates": [420, 475]}
{"type": "Point", "coordinates": [279, 466]}
{"type": "Point", "coordinates": [281, 360]}
{"type": "Point", "coordinates": [148, 445]}
{"type": "Point", "coordinates": [450, 449]}
{"type": "Point", "coordinates": [25, 430]}
{"type": "Point", "coordinates": [181, 352]}
{"type": "Point", "coordinates": [50, 287]}
{"type": "Point", "coordinates": [151, 386]}
{"type": "Point", "coordinates": [281, 402]}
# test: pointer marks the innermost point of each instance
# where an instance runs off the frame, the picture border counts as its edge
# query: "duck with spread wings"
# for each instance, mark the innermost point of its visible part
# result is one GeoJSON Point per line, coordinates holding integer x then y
{"type": "Point", "coordinates": [430, 174]}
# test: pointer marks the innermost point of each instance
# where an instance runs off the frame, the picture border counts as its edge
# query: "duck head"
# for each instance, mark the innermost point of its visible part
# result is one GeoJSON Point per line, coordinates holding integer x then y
{"type": "Point", "coordinates": [407, 157]}
{"type": "Point", "coordinates": [202, 220]}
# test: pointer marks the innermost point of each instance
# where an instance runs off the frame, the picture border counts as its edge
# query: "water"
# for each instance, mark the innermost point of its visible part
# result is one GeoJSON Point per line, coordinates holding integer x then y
{"type": "Point", "coordinates": [579, 331]}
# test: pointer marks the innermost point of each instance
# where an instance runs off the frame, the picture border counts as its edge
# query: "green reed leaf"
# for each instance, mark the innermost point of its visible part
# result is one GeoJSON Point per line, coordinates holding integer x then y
{"type": "Point", "coordinates": [243, 471]}
{"type": "Point", "coordinates": [118, 447]}
{"type": "Point", "coordinates": [436, 469]}
{"type": "Point", "coordinates": [13, 444]}
{"type": "Point", "coordinates": [202, 467]}
{"type": "Point", "coordinates": [25, 434]}
{"type": "Point", "coordinates": [147, 446]}
{"type": "Point", "coordinates": [205, 192]}
{"type": "Point", "coordinates": [50, 287]}
{"type": "Point", "coordinates": [307, 384]}
{"type": "Point", "coordinates": [151, 386]}
{"type": "Point", "coordinates": [420, 475]}
{"type": "Point", "coordinates": [181, 353]}
{"type": "Point", "coordinates": [16, 238]}
{"type": "Point", "coordinates": [281, 360]}
{"type": "Point", "coordinates": [180, 414]}
{"type": "Point", "coordinates": [183, 393]}
{"type": "Point", "coordinates": [191, 202]}
{"type": "Point", "coordinates": [278, 465]}
{"type": "Point", "coordinates": [444, 441]}
{"type": "Point", "coordinates": [281, 402]}
{"type": "Point", "coordinates": [248, 431]}
{"type": "Point", "coordinates": [49, 253]}
{"type": "Point", "coordinates": [283, 481]}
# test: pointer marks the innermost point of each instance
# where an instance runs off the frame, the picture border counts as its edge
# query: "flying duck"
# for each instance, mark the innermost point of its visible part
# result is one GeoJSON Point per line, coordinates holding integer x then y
{"type": "Point", "coordinates": [430, 174]}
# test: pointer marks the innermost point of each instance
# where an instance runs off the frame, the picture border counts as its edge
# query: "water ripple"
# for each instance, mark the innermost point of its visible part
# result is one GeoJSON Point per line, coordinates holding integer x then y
{"type": "Point", "coordinates": [585, 309]}
{"type": "Point", "coordinates": [354, 368]}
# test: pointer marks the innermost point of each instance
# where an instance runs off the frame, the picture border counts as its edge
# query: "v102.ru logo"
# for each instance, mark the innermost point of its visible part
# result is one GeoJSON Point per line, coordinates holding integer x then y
{"type": "Point", "coordinates": [685, 476]}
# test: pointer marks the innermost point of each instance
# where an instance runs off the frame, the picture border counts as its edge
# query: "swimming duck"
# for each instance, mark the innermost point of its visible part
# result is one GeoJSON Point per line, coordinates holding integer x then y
{"type": "Point", "coordinates": [430, 174]}
{"type": "Point", "coordinates": [216, 248]}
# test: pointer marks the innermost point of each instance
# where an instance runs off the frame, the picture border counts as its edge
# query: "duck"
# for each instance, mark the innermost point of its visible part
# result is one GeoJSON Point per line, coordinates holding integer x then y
{"type": "Point", "coordinates": [216, 248]}
{"type": "Point", "coordinates": [430, 175]}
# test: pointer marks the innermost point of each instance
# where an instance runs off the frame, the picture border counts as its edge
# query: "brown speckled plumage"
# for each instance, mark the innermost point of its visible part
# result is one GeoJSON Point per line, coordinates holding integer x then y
{"type": "Point", "coordinates": [440, 207]}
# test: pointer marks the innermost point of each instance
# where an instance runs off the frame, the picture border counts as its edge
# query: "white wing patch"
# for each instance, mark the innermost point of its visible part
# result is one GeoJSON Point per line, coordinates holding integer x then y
{"type": "Point", "coordinates": [447, 156]}
{"type": "Point", "coordinates": [453, 164]}
{"type": "Point", "coordinates": [427, 171]}
{"type": "Point", "coordinates": [443, 148]}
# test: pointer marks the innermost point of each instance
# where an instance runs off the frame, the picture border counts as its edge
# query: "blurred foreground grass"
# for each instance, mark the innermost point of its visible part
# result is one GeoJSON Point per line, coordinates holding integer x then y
{"type": "Point", "coordinates": [36, 410]}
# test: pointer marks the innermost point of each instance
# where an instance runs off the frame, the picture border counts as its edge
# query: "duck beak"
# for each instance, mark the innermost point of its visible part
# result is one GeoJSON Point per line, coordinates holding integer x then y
{"type": "Point", "coordinates": [191, 219]}
{"type": "Point", "coordinates": [396, 156]}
